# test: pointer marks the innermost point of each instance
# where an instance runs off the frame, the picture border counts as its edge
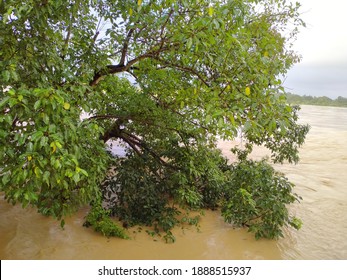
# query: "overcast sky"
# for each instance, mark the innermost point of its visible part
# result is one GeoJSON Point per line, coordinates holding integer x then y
{"type": "Point", "coordinates": [323, 46]}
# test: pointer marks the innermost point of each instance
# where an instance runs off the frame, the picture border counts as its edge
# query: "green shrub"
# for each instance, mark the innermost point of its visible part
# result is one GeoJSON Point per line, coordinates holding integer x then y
{"type": "Point", "coordinates": [99, 219]}
{"type": "Point", "coordinates": [257, 197]}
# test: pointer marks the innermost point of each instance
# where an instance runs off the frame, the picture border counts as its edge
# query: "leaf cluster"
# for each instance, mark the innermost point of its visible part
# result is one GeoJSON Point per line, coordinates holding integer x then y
{"type": "Point", "coordinates": [257, 197]}
{"type": "Point", "coordinates": [99, 219]}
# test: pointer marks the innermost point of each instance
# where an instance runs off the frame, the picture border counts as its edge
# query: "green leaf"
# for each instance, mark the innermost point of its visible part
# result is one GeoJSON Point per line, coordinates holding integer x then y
{"type": "Point", "coordinates": [221, 123]}
{"type": "Point", "coordinates": [30, 147]}
{"type": "Point", "coordinates": [13, 101]}
{"type": "Point", "coordinates": [189, 43]}
{"type": "Point", "coordinates": [4, 101]}
{"type": "Point", "coordinates": [37, 104]}
{"type": "Point", "coordinates": [76, 177]}
{"type": "Point", "coordinates": [36, 135]}
{"type": "Point", "coordinates": [6, 75]}
{"type": "Point", "coordinates": [46, 176]}
{"type": "Point", "coordinates": [57, 164]}
{"type": "Point", "coordinates": [69, 173]}
{"type": "Point", "coordinates": [45, 118]}
{"type": "Point", "coordinates": [8, 119]}
{"type": "Point", "coordinates": [84, 172]}
{"type": "Point", "coordinates": [6, 178]}
{"type": "Point", "coordinates": [58, 144]}
{"type": "Point", "coordinates": [37, 171]}
{"type": "Point", "coordinates": [43, 141]}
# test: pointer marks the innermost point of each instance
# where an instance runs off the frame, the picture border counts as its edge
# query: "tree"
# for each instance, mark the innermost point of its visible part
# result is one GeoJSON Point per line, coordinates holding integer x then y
{"type": "Point", "coordinates": [165, 78]}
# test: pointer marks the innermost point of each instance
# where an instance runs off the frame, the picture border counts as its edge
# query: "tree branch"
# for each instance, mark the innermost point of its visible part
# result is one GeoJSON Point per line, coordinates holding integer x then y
{"type": "Point", "coordinates": [165, 23]}
{"type": "Point", "coordinates": [136, 142]}
{"type": "Point", "coordinates": [153, 52]}
{"type": "Point", "coordinates": [119, 68]}
{"type": "Point", "coordinates": [125, 47]}
{"type": "Point", "coordinates": [184, 69]}
{"type": "Point", "coordinates": [132, 145]}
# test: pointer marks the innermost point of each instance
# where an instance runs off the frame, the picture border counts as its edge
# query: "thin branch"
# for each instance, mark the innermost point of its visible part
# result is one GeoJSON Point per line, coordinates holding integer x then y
{"type": "Point", "coordinates": [130, 143]}
{"type": "Point", "coordinates": [165, 23]}
{"type": "Point", "coordinates": [184, 69]}
{"type": "Point", "coordinates": [144, 146]}
{"type": "Point", "coordinates": [125, 46]}
{"type": "Point", "coordinates": [107, 116]}
{"type": "Point", "coordinates": [124, 118]}
{"type": "Point", "coordinates": [137, 139]}
{"type": "Point", "coordinates": [66, 41]}
{"type": "Point", "coordinates": [97, 31]}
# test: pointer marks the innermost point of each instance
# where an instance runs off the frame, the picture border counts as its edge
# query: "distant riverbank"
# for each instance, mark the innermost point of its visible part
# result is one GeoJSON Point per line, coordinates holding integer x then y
{"type": "Point", "coordinates": [314, 100]}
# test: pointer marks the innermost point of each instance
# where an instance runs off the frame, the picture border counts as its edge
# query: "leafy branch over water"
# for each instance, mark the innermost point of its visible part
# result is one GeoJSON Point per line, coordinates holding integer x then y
{"type": "Point", "coordinates": [199, 70]}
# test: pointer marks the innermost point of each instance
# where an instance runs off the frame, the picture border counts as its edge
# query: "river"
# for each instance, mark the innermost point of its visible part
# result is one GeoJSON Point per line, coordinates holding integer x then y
{"type": "Point", "coordinates": [320, 178]}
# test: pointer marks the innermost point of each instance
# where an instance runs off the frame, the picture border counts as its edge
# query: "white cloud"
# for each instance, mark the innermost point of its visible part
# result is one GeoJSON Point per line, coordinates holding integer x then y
{"type": "Point", "coordinates": [323, 46]}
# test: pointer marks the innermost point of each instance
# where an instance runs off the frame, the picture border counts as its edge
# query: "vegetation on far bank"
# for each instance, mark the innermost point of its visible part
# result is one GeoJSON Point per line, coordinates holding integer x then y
{"type": "Point", "coordinates": [316, 100]}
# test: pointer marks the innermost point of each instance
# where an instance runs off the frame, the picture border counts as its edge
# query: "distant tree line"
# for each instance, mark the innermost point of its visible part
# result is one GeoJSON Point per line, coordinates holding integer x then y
{"type": "Point", "coordinates": [313, 100]}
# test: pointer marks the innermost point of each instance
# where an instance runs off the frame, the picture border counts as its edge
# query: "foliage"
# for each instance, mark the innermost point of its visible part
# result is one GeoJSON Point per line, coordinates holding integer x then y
{"type": "Point", "coordinates": [100, 220]}
{"type": "Point", "coordinates": [257, 196]}
{"type": "Point", "coordinates": [44, 148]}
{"type": "Point", "coordinates": [313, 100]}
{"type": "Point", "coordinates": [165, 78]}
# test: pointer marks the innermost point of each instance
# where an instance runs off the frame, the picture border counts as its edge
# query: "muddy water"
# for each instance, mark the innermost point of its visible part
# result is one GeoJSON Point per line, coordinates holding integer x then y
{"type": "Point", "coordinates": [320, 178]}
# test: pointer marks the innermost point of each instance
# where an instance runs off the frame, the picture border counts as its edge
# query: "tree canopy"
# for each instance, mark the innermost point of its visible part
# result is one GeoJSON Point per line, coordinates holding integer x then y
{"type": "Point", "coordinates": [165, 78]}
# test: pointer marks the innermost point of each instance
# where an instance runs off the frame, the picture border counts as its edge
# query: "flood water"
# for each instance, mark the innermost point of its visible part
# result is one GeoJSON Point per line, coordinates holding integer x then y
{"type": "Point", "coordinates": [320, 178]}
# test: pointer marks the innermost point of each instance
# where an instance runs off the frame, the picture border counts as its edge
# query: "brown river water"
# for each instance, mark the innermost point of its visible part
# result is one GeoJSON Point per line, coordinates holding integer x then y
{"type": "Point", "coordinates": [320, 178]}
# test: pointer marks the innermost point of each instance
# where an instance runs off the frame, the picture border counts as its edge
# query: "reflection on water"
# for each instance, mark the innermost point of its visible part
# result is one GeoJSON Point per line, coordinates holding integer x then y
{"type": "Point", "coordinates": [320, 179]}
